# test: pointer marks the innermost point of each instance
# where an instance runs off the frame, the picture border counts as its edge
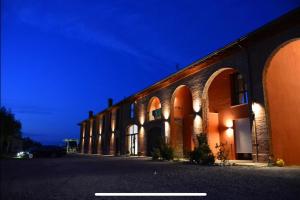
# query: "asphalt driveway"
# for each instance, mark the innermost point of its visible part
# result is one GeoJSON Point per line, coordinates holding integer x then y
{"type": "Point", "coordinates": [79, 177]}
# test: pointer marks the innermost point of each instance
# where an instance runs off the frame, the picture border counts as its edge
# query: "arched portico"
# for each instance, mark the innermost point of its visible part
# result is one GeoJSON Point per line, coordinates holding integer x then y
{"type": "Point", "coordinates": [226, 113]}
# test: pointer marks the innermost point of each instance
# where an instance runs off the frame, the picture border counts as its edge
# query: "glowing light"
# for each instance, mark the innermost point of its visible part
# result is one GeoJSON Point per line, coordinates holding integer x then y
{"type": "Point", "coordinates": [256, 108]}
{"type": "Point", "coordinates": [90, 145]}
{"type": "Point", "coordinates": [142, 119]}
{"type": "Point", "coordinates": [197, 124]}
{"type": "Point", "coordinates": [142, 130]}
{"type": "Point", "coordinates": [229, 132]}
{"type": "Point", "coordinates": [196, 105]}
{"type": "Point", "coordinates": [82, 146]}
{"type": "Point", "coordinates": [229, 123]}
{"type": "Point", "coordinates": [100, 125]}
{"type": "Point", "coordinates": [166, 113]}
{"type": "Point", "coordinates": [83, 130]}
{"type": "Point", "coordinates": [167, 129]}
{"type": "Point", "coordinates": [113, 126]}
{"type": "Point", "coordinates": [91, 127]}
{"type": "Point", "coordinates": [99, 145]}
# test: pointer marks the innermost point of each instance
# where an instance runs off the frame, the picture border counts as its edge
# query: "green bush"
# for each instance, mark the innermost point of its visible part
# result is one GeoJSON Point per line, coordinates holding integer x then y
{"type": "Point", "coordinates": [167, 152]}
{"type": "Point", "coordinates": [156, 154]}
{"type": "Point", "coordinates": [202, 154]}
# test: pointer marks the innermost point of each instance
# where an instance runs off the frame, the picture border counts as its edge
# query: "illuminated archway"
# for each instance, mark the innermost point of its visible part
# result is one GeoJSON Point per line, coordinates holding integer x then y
{"type": "Point", "coordinates": [154, 109]}
{"type": "Point", "coordinates": [226, 113]}
{"type": "Point", "coordinates": [182, 117]}
{"type": "Point", "coordinates": [132, 139]}
{"type": "Point", "coordinates": [282, 86]}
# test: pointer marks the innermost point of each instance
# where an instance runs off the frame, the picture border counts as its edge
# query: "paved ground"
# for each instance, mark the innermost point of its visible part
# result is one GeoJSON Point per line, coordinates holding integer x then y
{"type": "Point", "coordinates": [79, 177]}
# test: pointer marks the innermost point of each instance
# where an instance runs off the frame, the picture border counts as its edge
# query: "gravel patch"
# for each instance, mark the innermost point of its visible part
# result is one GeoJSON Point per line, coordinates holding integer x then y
{"type": "Point", "coordinates": [79, 177]}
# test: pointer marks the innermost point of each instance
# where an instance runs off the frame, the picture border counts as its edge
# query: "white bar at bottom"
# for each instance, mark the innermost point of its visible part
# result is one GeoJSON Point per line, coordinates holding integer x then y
{"type": "Point", "coordinates": [150, 194]}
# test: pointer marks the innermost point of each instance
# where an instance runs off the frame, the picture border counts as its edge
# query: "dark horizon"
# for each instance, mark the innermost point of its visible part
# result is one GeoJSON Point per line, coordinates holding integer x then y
{"type": "Point", "coordinates": [61, 59]}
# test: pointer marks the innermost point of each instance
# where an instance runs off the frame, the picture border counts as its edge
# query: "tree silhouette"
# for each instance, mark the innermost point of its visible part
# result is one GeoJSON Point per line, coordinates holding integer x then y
{"type": "Point", "coordinates": [10, 129]}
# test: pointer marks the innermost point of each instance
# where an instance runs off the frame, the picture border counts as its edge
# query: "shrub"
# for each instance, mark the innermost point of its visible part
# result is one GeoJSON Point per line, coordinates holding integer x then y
{"type": "Point", "coordinates": [167, 152]}
{"type": "Point", "coordinates": [156, 154]}
{"type": "Point", "coordinates": [279, 162]}
{"type": "Point", "coordinates": [202, 154]}
{"type": "Point", "coordinates": [222, 154]}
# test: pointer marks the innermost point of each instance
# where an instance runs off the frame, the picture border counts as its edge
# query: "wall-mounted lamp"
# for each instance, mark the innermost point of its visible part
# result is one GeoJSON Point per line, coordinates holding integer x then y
{"type": "Point", "coordinates": [197, 105]}
{"type": "Point", "coordinates": [229, 123]}
{"type": "Point", "coordinates": [199, 112]}
{"type": "Point", "coordinates": [229, 132]}
{"type": "Point", "coordinates": [255, 108]}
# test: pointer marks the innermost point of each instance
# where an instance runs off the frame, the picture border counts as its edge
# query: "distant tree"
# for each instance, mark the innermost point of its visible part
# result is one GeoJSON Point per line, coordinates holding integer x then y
{"type": "Point", "coordinates": [28, 143]}
{"type": "Point", "coordinates": [10, 130]}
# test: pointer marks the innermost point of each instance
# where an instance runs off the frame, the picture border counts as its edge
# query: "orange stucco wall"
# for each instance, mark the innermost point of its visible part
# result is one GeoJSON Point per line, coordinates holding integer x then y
{"type": "Point", "coordinates": [213, 130]}
{"type": "Point", "coordinates": [283, 95]}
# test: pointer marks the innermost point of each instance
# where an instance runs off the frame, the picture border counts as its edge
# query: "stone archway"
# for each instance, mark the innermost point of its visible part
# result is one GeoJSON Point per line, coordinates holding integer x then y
{"type": "Point", "coordinates": [281, 87]}
{"type": "Point", "coordinates": [182, 117]}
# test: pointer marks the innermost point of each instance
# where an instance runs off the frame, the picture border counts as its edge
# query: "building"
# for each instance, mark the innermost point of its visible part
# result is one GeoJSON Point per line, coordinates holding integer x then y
{"type": "Point", "coordinates": [246, 95]}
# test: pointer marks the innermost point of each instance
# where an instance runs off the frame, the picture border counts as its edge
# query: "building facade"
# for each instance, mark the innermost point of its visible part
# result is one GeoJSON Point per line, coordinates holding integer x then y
{"type": "Point", "coordinates": [245, 95]}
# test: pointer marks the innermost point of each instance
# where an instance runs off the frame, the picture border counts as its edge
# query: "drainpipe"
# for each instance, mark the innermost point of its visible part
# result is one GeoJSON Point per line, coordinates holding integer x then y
{"type": "Point", "coordinates": [251, 95]}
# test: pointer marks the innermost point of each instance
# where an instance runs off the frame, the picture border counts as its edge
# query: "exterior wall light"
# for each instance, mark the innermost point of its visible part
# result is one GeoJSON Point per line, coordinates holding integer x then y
{"type": "Point", "coordinates": [229, 123]}
{"type": "Point", "coordinates": [255, 111]}
{"type": "Point", "coordinates": [142, 119]}
{"type": "Point", "coordinates": [255, 108]}
{"type": "Point", "coordinates": [229, 132]}
{"type": "Point", "coordinates": [166, 113]}
{"type": "Point", "coordinates": [167, 130]}
{"type": "Point", "coordinates": [197, 124]}
{"type": "Point", "coordinates": [196, 105]}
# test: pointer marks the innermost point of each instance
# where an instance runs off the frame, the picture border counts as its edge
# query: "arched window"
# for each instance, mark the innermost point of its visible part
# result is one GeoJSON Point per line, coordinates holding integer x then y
{"type": "Point", "coordinates": [154, 109]}
{"type": "Point", "coordinates": [239, 89]}
{"type": "Point", "coordinates": [133, 139]}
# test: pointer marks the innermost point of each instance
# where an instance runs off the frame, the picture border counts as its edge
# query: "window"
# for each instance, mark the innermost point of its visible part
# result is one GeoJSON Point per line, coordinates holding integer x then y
{"type": "Point", "coordinates": [132, 110]}
{"type": "Point", "coordinates": [239, 90]}
{"type": "Point", "coordinates": [156, 114]}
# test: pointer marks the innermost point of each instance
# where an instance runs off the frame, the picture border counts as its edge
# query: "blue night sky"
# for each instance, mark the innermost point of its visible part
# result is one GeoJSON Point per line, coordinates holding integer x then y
{"type": "Point", "coordinates": [62, 58]}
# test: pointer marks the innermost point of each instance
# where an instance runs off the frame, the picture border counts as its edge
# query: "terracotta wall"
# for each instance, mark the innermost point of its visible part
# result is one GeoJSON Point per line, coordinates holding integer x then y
{"type": "Point", "coordinates": [219, 93]}
{"type": "Point", "coordinates": [213, 131]}
{"type": "Point", "coordinates": [282, 89]}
